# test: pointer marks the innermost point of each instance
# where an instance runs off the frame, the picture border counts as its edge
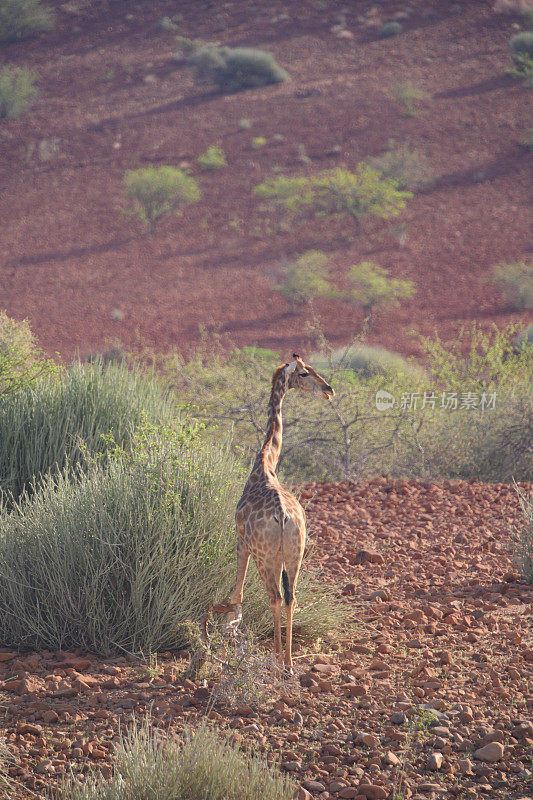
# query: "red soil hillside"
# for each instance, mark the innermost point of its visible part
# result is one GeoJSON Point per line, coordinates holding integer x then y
{"type": "Point", "coordinates": [112, 98]}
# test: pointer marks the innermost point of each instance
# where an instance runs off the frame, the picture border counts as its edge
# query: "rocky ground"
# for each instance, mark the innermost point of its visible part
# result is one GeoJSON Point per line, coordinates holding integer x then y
{"type": "Point", "coordinates": [425, 693]}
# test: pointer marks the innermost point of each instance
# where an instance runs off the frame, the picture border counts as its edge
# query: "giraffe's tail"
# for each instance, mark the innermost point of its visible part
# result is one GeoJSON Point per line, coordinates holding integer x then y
{"type": "Point", "coordinates": [286, 587]}
{"type": "Point", "coordinates": [287, 591]}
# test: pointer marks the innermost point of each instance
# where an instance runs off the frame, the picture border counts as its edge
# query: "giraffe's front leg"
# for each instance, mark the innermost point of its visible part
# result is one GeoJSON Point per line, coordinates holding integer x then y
{"type": "Point", "coordinates": [243, 558]}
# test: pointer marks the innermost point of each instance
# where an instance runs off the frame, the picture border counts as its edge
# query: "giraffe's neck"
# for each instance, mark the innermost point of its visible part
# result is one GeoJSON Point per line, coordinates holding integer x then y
{"type": "Point", "coordinates": [268, 456]}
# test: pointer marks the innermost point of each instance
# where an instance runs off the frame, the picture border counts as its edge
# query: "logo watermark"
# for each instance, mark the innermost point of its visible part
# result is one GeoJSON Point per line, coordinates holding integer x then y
{"type": "Point", "coordinates": [384, 400]}
{"type": "Point", "coordinates": [449, 401]}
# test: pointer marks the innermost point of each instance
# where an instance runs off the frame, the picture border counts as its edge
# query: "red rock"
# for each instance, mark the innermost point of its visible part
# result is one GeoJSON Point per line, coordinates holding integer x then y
{"type": "Point", "coordinates": [354, 689]}
{"type": "Point", "coordinates": [7, 656]}
{"type": "Point", "coordinates": [372, 791]}
{"type": "Point", "coordinates": [368, 557]}
{"type": "Point", "coordinates": [27, 727]}
{"type": "Point", "coordinates": [490, 752]}
{"type": "Point", "coordinates": [49, 716]}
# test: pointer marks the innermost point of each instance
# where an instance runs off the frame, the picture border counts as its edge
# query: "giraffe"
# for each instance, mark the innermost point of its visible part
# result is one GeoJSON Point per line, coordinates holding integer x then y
{"type": "Point", "coordinates": [270, 521]}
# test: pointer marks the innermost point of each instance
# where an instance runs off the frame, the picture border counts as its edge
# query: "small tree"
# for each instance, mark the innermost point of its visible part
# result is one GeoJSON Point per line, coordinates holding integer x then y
{"type": "Point", "coordinates": [157, 191]}
{"type": "Point", "coordinates": [22, 18]}
{"type": "Point", "coordinates": [17, 90]}
{"type": "Point", "coordinates": [515, 281]}
{"type": "Point", "coordinates": [304, 279]}
{"type": "Point", "coordinates": [337, 192]}
{"type": "Point", "coordinates": [372, 288]}
{"type": "Point", "coordinates": [234, 68]}
{"type": "Point", "coordinates": [409, 168]}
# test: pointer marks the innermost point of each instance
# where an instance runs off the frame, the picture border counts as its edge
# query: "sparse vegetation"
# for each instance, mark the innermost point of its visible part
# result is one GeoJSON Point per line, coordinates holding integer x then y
{"type": "Point", "coordinates": [390, 29]}
{"type": "Point", "coordinates": [524, 538]}
{"type": "Point", "coordinates": [304, 279]}
{"type": "Point", "coordinates": [515, 281]}
{"type": "Point", "coordinates": [371, 288]}
{"type": "Point", "coordinates": [22, 18]}
{"type": "Point", "coordinates": [258, 142]}
{"type": "Point", "coordinates": [232, 69]}
{"type": "Point", "coordinates": [409, 168]}
{"type": "Point", "coordinates": [409, 96]}
{"type": "Point", "coordinates": [337, 192]}
{"type": "Point", "coordinates": [433, 429]}
{"type": "Point", "coordinates": [149, 765]}
{"type": "Point", "coordinates": [522, 44]}
{"type": "Point", "coordinates": [17, 90]}
{"type": "Point", "coordinates": [169, 24]}
{"type": "Point", "coordinates": [125, 554]}
{"type": "Point", "coordinates": [213, 158]}
{"type": "Point", "coordinates": [521, 47]}
{"type": "Point", "coordinates": [187, 46]}
{"type": "Point", "coordinates": [158, 191]}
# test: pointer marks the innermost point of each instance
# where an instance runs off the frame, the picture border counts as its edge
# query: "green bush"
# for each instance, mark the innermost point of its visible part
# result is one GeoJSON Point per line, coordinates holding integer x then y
{"type": "Point", "coordinates": [22, 18]}
{"type": "Point", "coordinates": [408, 95]}
{"type": "Point", "coordinates": [206, 767]}
{"type": "Point", "coordinates": [49, 424]}
{"type": "Point", "coordinates": [17, 90]}
{"type": "Point", "coordinates": [390, 29]}
{"type": "Point", "coordinates": [367, 361]}
{"type": "Point", "coordinates": [409, 168]}
{"type": "Point", "coordinates": [491, 443]}
{"type": "Point", "coordinates": [305, 279]}
{"type": "Point", "coordinates": [213, 158]}
{"type": "Point", "coordinates": [521, 47]}
{"type": "Point", "coordinates": [523, 340]}
{"type": "Point", "coordinates": [522, 44]}
{"type": "Point", "coordinates": [21, 361]}
{"type": "Point", "coordinates": [234, 68]}
{"type": "Point", "coordinates": [122, 558]}
{"type": "Point", "coordinates": [337, 192]}
{"type": "Point", "coordinates": [515, 281]}
{"type": "Point", "coordinates": [524, 538]}
{"type": "Point", "coordinates": [371, 288]}
{"type": "Point", "coordinates": [158, 191]}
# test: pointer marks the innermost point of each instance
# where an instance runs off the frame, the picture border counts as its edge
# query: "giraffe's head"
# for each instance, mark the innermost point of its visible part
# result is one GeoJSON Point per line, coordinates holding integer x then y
{"type": "Point", "coordinates": [303, 377]}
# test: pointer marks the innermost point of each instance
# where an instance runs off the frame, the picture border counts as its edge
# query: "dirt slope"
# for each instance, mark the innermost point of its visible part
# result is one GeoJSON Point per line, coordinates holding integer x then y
{"type": "Point", "coordinates": [112, 98]}
{"type": "Point", "coordinates": [438, 629]}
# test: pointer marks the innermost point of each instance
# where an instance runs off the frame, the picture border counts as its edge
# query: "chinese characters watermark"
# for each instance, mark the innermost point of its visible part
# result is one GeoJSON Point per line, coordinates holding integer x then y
{"type": "Point", "coordinates": [450, 401]}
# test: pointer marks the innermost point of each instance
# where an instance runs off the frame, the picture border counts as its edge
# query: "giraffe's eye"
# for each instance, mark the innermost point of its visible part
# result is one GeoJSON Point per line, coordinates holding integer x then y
{"type": "Point", "coordinates": [303, 374]}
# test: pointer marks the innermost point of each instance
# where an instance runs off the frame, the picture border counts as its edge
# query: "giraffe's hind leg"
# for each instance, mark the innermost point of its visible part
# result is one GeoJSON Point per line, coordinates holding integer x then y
{"type": "Point", "coordinates": [293, 561]}
{"type": "Point", "coordinates": [271, 578]}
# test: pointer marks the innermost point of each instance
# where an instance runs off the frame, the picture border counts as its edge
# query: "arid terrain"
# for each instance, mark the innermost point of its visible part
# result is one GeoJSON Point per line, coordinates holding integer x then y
{"type": "Point", "coordinates": [425, 691]}
{"type": "Point", "coordinates": [113, 97]}
{"type": "Point", "coordinates": [431, 676]}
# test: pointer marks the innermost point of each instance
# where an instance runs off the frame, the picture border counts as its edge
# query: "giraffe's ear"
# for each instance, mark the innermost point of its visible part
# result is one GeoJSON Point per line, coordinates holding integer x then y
{"type": "Point", "coordinates": [291, 366]}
